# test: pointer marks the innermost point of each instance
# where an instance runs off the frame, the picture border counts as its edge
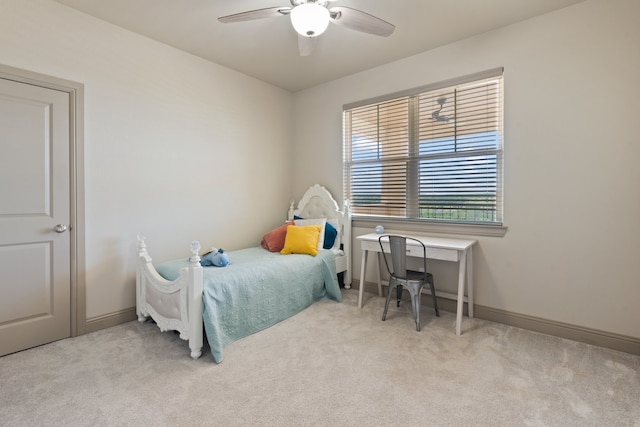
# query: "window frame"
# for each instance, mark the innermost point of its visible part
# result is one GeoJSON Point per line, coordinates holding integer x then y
{"type": "Point", "coordinates": [410, 223]}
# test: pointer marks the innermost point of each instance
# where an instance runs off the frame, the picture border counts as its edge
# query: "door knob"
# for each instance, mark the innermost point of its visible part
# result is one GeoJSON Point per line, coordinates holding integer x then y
{"type": "Point", "coordinates": [60, 228]}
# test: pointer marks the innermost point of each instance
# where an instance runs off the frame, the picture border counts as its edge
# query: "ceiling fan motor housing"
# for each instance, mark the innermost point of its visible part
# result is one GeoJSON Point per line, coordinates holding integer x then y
{"type": "Point", "coordinates": [310, 19]}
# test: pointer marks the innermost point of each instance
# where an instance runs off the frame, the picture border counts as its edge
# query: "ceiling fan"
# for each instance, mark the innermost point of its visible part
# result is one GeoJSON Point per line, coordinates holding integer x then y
{"type": "Point", "coordinates": [310, 18]}
{"type": "Point", "coordinates": [436, 114]}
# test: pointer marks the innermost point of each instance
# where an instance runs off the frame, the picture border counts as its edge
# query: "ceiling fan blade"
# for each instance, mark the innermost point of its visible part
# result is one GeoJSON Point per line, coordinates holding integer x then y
{"type": "Point", "coordinates": [361, 21]}
{"type": "Point", "coordinates": [269, 12]}
{"type": "Point", "coordinates": [306, 45]}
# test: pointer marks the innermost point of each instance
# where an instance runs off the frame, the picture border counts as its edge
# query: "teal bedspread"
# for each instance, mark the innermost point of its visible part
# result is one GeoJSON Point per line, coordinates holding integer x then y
{"type": "Point", "coordinates": [259, 289]}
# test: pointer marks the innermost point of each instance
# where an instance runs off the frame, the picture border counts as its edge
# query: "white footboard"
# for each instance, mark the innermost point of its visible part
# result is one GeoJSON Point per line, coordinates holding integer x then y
{"type": "Point", "coordinates": [173, 305]}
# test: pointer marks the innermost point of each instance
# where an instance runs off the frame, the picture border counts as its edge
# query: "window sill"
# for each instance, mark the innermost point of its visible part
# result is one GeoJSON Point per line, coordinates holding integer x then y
{"type": "Point", "coordinates": [429, 227]}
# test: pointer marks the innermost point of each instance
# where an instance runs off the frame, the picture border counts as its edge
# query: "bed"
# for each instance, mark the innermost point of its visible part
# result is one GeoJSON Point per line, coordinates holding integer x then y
{"type": "Point", "coordinates": [258, 289]}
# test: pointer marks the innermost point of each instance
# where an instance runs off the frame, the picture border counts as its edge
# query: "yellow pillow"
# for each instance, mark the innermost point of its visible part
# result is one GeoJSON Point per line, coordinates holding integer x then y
{"type": "Point", "coordinates": [301, 239]}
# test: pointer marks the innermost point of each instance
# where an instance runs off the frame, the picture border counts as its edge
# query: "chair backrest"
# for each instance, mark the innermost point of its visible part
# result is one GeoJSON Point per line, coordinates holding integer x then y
{"type": "Point", "coordinates": [398, 247]}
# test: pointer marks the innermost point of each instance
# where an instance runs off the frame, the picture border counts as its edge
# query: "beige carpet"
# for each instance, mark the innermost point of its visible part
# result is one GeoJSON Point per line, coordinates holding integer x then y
{"type": "Point", "coordinates": [331, 365]}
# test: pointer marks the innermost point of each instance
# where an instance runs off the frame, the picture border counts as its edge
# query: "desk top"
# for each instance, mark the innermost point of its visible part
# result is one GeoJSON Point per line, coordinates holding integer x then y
{"type": "Point", "coordinates": [433, 242]}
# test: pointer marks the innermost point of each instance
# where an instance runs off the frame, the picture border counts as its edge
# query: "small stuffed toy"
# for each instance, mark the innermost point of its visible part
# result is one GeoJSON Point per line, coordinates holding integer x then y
{"type": "Point", "coordinates": [217, 258]}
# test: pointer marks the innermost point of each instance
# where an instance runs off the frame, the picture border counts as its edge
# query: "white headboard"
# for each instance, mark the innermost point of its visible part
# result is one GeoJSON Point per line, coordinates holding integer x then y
{"type": "Point", "coordinates": [317, 202]}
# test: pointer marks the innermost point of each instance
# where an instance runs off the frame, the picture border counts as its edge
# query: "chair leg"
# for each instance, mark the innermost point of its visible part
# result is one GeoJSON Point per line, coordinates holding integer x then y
{"type": "Point", "coordinates": [433, 295]}
{"type": "Point", "coordinates": [417, 309]}
{"type": "Point", "coordinates": [415, 305]}
{"type": "Point", "coordinates": [398, 295]}
{"type": "Point", "coordinates": [386, 304]}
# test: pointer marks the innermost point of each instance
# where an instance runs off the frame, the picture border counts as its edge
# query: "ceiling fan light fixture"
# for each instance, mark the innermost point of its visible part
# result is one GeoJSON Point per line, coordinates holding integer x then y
{"type": "Point", "coordinates": [310, 19]}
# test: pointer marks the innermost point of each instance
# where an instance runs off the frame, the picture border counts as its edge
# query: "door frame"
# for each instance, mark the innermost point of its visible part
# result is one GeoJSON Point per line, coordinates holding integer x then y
{"type": "Point", "coordinates": [76, 190]}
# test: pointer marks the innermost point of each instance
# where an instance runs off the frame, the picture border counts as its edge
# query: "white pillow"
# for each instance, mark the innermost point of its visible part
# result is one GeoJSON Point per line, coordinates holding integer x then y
{"type": "Point", "coordinates": [318, 221]}
{"type": "Point", "coordinates": [336, 225]}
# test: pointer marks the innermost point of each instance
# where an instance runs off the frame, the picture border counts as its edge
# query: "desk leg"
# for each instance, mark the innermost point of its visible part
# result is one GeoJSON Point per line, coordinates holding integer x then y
{"type": "Point", "coordinates": [363, 269]}
{"type": "Point", "coordinates": [470, 281]}
{"type": "Point", "coordinates": [378, 271]}
{"type": "Point", "coordinates": [462, 267]}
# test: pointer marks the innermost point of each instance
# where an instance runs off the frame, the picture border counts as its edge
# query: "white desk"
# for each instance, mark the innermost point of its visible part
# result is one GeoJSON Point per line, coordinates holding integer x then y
{"type": "Point", "coordinates": [456, 250]}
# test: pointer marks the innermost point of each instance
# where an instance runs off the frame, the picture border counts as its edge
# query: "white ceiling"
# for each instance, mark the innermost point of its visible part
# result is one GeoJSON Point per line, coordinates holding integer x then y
{"type": "Point", "coordinates": [267, 49]}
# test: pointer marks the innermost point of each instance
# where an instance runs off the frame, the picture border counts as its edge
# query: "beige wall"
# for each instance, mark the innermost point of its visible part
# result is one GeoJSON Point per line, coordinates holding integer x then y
{"type": "Point", "coordinates": [176, 147]}
{"type": "Point", "coordinates": [572, 146]}
{"type": "Point", "coordinates": [180, 148]}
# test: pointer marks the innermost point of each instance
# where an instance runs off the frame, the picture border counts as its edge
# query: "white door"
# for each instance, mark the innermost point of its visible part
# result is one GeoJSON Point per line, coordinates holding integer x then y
{"type": "Point", "coordinates": [35, 243]}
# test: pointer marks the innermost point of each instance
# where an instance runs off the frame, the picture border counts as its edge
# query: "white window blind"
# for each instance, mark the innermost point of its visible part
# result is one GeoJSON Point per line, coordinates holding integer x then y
{"type": "Point", "coordinates": [434, 153]}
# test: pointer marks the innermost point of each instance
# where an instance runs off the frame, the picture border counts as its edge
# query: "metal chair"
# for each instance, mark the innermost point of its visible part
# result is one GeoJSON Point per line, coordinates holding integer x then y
{"type": "Point", "coordinates": [399, 276]}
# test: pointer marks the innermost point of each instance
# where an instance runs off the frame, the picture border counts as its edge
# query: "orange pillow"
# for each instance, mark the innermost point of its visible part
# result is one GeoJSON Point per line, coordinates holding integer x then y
{"type": "Point", "coordinates": [301, 239]}
{"type": "Point", "coordinates": [273, 241]}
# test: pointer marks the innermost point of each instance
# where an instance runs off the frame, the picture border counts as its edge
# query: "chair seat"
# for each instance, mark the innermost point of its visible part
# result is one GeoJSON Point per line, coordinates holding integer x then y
{"type": "Point", "coordinates": [418, 276]}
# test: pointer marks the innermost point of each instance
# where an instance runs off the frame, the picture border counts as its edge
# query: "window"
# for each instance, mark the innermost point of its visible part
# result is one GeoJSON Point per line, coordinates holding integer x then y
{"type": "Point", "coordinates": [433, 153]}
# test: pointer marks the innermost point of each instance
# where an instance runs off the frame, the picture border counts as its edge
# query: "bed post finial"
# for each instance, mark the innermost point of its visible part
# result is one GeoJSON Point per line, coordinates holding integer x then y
{"type": "Point", "coordinates": [142, 246]}
{"type": "Point", "coordinates": [195, 250]}
{"type": "Point", "coordinates": [291, 203]}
